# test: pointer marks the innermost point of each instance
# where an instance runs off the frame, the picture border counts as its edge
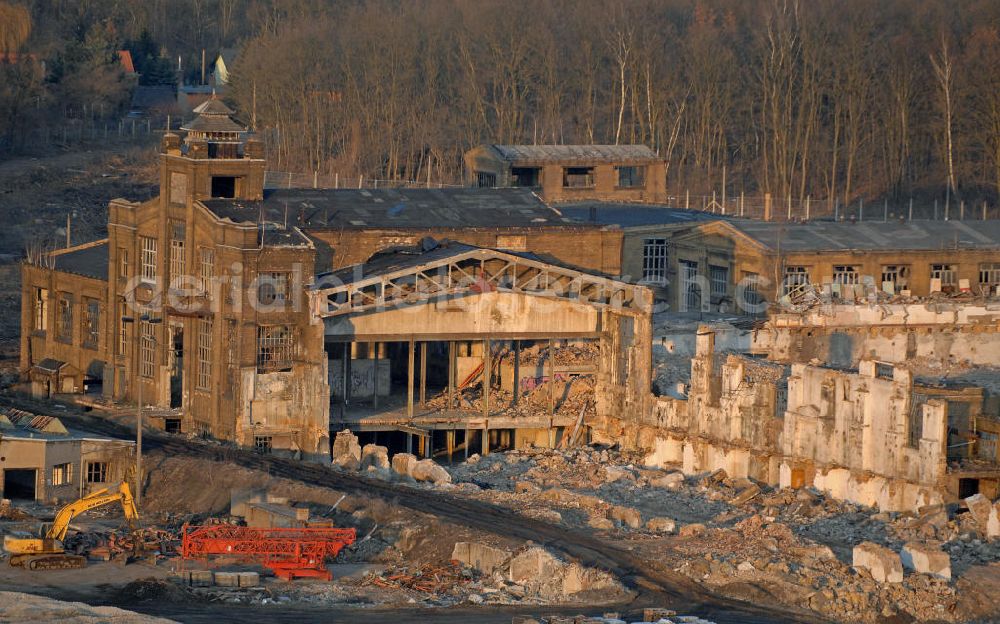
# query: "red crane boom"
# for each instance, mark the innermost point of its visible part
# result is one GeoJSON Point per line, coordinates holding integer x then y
{"type": "Point", "coordinates": [288, 552]}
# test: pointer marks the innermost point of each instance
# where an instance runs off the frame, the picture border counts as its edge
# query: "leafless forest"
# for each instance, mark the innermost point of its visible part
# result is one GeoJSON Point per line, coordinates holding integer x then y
{"type": "Point", "coordinates": [832, 99]}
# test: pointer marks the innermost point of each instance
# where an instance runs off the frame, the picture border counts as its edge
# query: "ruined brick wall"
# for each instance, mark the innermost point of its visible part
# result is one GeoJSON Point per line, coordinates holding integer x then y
{"type": "Point", "coordinates": [588, 248]}
{"type": "Point", "coordinates": [76, 349]}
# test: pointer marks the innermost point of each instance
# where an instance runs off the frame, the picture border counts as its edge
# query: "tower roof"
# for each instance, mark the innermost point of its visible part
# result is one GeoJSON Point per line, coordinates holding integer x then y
{"type": "Point", "coordinates": [213, 106]}
{"type": "Point", "coordinates": [213, 116]}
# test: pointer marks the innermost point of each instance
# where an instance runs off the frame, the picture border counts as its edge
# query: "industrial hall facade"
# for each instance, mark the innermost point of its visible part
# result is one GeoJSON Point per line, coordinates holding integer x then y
{"type": "Point", "coordinates": [228, 310]}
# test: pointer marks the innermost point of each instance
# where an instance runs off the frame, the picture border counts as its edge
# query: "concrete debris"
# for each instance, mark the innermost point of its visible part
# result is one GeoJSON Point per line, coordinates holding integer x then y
{"type": "Point", "coordinates": [692, 530]}
{"type": "Point", "coordinates": [427, 470]}
{"type": "Point", "coordinates": [346, 445]}
{"type": "Point", "coordinates": [480, 557]}
{"type": "Point", "coordinates": [926, 559]}
{"type": "Point", "coordinates": [745, 496]}
{"type": "Point", "coordinates": [661, 525]}
{"type": "Point", "coordinates": [669, 481]}
{"type": "Point", "coordinates": [993, 522]}
{"type": "Point", "coordinates": [403, 463]}
{"type": "Point", "coordinates": [883, 564]}
{"type": "Point", "coordinates": [374, 456]}
{"type": "Point", "coordinates": [979, 508]}
{"type": "Point", "coordinates": [626, 516]}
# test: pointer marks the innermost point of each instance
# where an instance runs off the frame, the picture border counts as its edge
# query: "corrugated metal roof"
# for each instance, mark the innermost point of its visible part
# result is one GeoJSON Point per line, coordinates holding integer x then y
{"type": "Point", "coordinates": [872, 235]}
{"type": "Point", "coordinates": [28, 420]}
{"type": "Point", "coordinates": [422, 209]}
{"type": "Point", "coordinates": [632, 215]}
{"type": "Point", "coordinates": [89, 261]}
{"type": "Point", "coordinates": [571, 153]}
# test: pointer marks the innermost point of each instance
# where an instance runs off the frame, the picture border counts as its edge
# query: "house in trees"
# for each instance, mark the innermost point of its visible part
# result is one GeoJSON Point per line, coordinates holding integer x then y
{"type": "Point", "coordinates": [202, 303]}
{"type": "Point", "coordinates": [629, 173]}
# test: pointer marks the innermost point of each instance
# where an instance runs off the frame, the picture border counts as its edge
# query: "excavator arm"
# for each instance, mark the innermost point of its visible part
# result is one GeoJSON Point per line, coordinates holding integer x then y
{"type": "Point", "coordinates": [91, 501]}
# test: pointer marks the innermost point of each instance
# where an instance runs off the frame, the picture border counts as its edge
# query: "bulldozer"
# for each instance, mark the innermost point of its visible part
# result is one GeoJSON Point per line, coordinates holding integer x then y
{"type": "Point", "coordinates": [46, 552]}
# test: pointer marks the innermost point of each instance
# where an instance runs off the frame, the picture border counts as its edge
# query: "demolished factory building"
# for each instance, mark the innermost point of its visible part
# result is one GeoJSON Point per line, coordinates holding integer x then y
{"type": "Point", "coordinates": [455, 321]}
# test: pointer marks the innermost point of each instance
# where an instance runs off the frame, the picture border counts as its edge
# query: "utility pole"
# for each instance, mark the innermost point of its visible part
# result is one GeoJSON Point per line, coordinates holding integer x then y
{"type": "Point", "coordinates": [137, 339]}
{"type": "Point", "coordinates": [68, 226]}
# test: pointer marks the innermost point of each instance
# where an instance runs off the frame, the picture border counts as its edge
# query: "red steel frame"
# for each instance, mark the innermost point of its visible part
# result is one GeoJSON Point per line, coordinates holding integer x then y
{"type": "Point", "coordinates": [290, 553]}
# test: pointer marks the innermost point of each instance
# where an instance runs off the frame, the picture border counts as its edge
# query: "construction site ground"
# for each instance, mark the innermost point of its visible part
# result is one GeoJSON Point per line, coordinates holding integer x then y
{"type": "Point", "coordinates": [418, 525]}
{"type": "Point", "coordinates": [723, 559]}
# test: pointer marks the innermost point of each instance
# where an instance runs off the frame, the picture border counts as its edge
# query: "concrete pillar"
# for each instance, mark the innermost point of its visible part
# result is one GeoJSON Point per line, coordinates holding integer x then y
{"type": "Point", "coordinates": [517, 370]}
{"type": "Point", "coordinates": [487, 373]}
{"type": "Point", "coordinates": [450, 443]}
{"type": "Point", "coordinates": [423, 374]}
{"type": "Point", "coordinates": [375, 375]}
{"type": "Point", "coordinates": [552, 377]}
{"type": "Point", "coordinates": [409, 443]}
{"type": "Point", "coordinates": [486, 440]}
{"type": "Point", "coordinates": [409, 381]}
{"type": "Point", "coordinates": [466, 442]}
{"type": "Point", "coordinates": [421, 446]}
{"type": "Point", "coordinates": [451, 373]}
{"type": "Point", "coordinates": [429, 445]}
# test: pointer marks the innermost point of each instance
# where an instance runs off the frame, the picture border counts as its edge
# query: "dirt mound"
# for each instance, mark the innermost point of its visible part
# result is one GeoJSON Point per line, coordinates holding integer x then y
{"type": "Point", "coordinates": [18, 607]}
{"type": "Point", "coordinates": [152, 589]}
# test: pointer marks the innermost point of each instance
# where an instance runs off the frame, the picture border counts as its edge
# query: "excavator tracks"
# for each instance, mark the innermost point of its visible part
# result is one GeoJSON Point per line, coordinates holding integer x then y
{"type": "Point", "coordinates": [60, 561]}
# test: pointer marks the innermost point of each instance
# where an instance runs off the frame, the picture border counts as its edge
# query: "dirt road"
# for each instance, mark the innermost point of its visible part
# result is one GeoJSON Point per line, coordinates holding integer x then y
{"type": "Point", "coordinates": [653, 586]}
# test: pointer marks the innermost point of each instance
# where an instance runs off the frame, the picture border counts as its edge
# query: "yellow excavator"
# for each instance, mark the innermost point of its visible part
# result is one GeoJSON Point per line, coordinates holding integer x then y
{"type": "Point", "coordinates": [47, 552]}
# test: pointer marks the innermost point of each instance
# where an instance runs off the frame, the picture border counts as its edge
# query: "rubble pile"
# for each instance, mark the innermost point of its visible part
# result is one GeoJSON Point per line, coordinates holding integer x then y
{"type": "Point", "coordinates": [565, 355]}
{"type": "Point", "coordinates": [113, 545]}
{"type": "Point", "coordinates": [843, 560]}
{"type": "Point", "coordinates": [571, 395]}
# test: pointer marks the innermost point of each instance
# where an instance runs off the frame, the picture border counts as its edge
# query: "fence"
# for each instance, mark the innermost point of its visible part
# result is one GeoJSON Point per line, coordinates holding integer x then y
{"type": "Point", "coordinates": [792, 209]}
{"type": "Point", "coordinates": [288, 179]}
{"type": "Point", "coordinates": [78, 132]}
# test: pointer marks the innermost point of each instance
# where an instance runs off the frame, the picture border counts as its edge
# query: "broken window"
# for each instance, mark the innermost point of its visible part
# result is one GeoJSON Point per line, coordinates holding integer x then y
{"type": "Point", "coordinates": [97, 472]}
{"type": "Point", "coordinates": [845, 274]}
{"type": "Point", "coordinates": [915, 422]}
{"type": "Point", "coordinates": [224, 187]}
{"type": "Point", "coordinates": [122, 336]}
{"type": "Point", "coordinates": [272, 288]}
{"type": "Point", "coordinates": [62, 474]}
{"type": "Point", "coordinates": [944, 272]}
{"type": "Point", "coordinates": [751, 288]}
{"type": "Point", "coordinates": [525, 176]}
{"type": "Point", "coordinates": [654, 260]}
{"type": "Point", "coordinates": [41, 310]}
{"type": "Point", "coordinates": [206, 258]}
{"type": "Point", "coordinates": [147, 349]}
{"type": "Point", "coordinates": [204, 354]}
{"type": "Point", "coordinates": [486, 180]}
{"type": "Point", "coordinates": [796, 279]}
{"type": "Point", "coordinates": [123, 263]}
{"type": "Point", "coordinates": [64, 308]}
{"type": "Point", "coordinates": [578, 177]}
{"type": "Point", "coordinates": [631, 176]}
{"type": "Point", "coordinates": [719, 280]}
{"type": "Point", "coordinates": [148, 257]}
{"type": "Point", "coordinates": [989, 273]}
{"type": "Point", "coordinates": [275, 346]}
{"type": "Point", "coordinates": [176, 258]}
{"type": "Point", "coordinates": [262, 444]}
{"type": "Point", "coordinates": [690, 286]}
{"type": "Point", "coordinates": [896, 274]}
{"type": "Point", "coordinates": [92, 323]}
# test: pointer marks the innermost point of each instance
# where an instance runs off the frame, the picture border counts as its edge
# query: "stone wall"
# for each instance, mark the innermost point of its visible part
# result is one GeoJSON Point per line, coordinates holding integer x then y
{"type": "Point", "coordinates": [852, 435]}
{"type": "Point", "coordinates": [841, 335]}
{"type": "Point", "coordinates": [856, 435]}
